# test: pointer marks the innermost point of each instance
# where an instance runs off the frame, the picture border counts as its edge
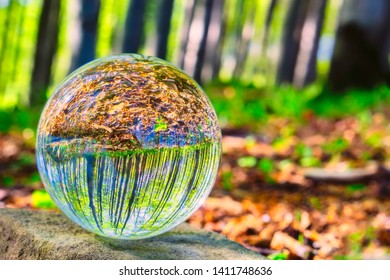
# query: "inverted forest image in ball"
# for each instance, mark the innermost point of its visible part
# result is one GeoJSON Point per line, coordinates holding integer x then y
{"type": "Point", "coordinates": [128, 146]}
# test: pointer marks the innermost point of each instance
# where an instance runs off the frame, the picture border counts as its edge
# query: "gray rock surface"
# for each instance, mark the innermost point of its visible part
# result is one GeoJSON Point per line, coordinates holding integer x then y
{"type": "Point", "coordinates": [26, 234]}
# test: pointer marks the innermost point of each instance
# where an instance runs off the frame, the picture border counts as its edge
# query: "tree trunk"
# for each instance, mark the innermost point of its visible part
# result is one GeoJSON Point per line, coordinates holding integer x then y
{"type": "Point", "coordinates": [5, 39]}
{"type": "Point", "coordinates": [190, 13]}
{"type": "Point", "coordinates": [305, 69]}
{"type": "Point", "coordinates": [89, 17]}
{"type": "Point", "coordinates": [268, 21]}
{"type": "Point", "coordinates": [134, 26]}
{"type": "Point", "coordinates": [164, 26]}
{"type": "Point", "coordinates": [203, 42]}
{"type": "Point", "coordinates": [360, 56]}
{"type": "Point", "coordinates": [267, 27]}
{"type": "Point", "coordinates": [213, 50]}
{"type": "Point", "coordinates": [243, 37]}
{"type": "Point", "coordinates": [217, 61]}
{"type": "Point", "coordinates": [18, 44]}
{"type": "Point", "coordinates": [290, 42]}
{"type": "Point", "coordinates": [45, 51]}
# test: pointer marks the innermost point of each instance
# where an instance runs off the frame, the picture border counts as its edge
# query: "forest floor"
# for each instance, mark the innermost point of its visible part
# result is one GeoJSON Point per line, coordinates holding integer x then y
{"type": "Point", "coordinates": [309, 189]}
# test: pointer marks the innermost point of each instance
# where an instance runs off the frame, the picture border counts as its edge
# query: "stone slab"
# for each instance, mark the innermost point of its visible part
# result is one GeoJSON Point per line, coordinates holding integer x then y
{"type": "Point", "coordinates": [27, 234]}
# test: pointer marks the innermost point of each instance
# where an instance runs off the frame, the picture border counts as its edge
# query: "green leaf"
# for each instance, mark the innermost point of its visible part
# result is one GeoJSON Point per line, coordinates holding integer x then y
{"type": "Point", "coordinates": [355, 187]}
{"type": "Point", "coordinates": [8, 181]}
{"type": "Point", "coordinates": [247, 162]}
{"type": "Point", "coordinates": [301, 238]}
{"type": "Point", "coordinates": [336, 146]}
{"type": "Point", "coordinates": [34, 178]}
{"type": "Point", "coordinates": [42, 200]}
{"type": "Point", "coordinates": [266, 165]}
{"type": "Point", "coordinates": [226, 180]}
{"type": "Point", "coordinates": [309, 162]}
{"type": "Point", "coordinates": [374, 140]}
{"type": "Point", "coordinates": [278, 256]}
{"type": "Point", "coordinates": [315, 202]}
{"type": "Point", "coordinates": [303, 151]}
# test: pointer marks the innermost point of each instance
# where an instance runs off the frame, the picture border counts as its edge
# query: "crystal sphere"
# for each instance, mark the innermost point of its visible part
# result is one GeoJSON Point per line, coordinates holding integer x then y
{"type": "Point", "coordinates": [128, 146]}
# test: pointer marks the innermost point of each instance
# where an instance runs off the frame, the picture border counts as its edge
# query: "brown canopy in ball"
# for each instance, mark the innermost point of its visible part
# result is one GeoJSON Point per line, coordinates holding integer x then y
{"type": "Point", "coordinates": [131, 101]}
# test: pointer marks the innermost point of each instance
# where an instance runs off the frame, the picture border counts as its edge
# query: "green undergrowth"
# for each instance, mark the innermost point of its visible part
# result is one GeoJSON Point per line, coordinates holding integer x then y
{"type": "Point", "coordinates": [18, 119]}
{"type": "Point", "coordinates": [242, 105]}
{"type": "Point", "coordinates": [351, 102]}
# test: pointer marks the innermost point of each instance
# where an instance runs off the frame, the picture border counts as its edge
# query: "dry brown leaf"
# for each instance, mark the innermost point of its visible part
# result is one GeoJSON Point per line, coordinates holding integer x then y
{"type": "Point", "coordinates": [282, 240]}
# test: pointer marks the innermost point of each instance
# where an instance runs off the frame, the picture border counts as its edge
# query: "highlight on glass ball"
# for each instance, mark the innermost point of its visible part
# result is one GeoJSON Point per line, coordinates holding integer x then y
{"type": "Point", "coordinates": [128, 146]}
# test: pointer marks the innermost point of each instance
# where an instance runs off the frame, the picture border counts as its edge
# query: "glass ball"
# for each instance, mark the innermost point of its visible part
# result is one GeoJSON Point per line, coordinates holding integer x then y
{"type": "Point", "coordinates": [128, 146]}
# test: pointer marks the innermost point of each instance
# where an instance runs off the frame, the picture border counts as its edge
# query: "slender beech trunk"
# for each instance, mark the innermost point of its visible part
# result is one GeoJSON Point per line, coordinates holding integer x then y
{"type": "Point", "coordinates": [213, 50]}
{"type": "Point", "coordinates": [264, 42]}
{"type": "Point", "coordinates": [89, 17]}
{"type": "Point", "coordinates": [290, 42]}
{"type": "Point", "coordinates": [7, 34]}
{"type": "Point", "coordinates": [203, 42]}
{"type": "Point", "coordinates": [19, 40]}
{"type": "Point", "coordinates": [244, 36]}
{"type": "Point", "coordinates": [164, 26]}
{"type": "Point", "coordinates": [305, 69]}
{"type": "Point", "coordinates": [45, 50]}
{"type": "Point", "coordinates": [190, 13]}
{"type": "Point", "coordinates": [134, 26]}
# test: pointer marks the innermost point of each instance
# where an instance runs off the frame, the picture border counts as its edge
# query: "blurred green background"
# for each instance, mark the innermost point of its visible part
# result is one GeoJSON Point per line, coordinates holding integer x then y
{"type": "Point", "coordinates": [296, 84]}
